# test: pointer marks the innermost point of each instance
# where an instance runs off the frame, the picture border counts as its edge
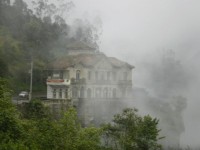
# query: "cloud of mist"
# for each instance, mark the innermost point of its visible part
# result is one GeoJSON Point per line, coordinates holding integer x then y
{"type": "Point", "coordinates": [137, 31]}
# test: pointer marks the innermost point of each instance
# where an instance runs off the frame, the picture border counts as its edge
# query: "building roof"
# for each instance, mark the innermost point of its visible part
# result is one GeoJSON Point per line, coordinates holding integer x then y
{"type": "Point", "coordinates": [78, 45]}
{"type": "Point", "coordinates": [87, 60]}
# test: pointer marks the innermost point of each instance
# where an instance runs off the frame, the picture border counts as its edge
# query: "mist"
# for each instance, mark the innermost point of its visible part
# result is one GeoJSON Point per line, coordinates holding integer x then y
{"type": "Point", "coordinates": [140, 32]}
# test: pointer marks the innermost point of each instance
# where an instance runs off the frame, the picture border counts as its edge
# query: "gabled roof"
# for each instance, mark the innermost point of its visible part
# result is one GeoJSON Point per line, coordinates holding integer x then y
{"type": "Point", "coordinates": [87, 60]}
{"type": "Point", "coordinates": [118, 63]}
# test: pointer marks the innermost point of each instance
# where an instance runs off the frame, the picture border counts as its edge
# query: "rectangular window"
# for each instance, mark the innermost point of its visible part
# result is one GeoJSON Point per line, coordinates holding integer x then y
{"type": "Point", "coordinates": [102, 75]}
{"type": "Point", "coordinates": [96, 75]}
{"type": "Point", "coordinates": [114, 74]}
{"type": "Point", "coordinates": [67, 74]}
{"type": "Point", "coordinates": [66, 93]}
{"type": "Point", "coordinates": [61, 74]}
{"type": "Point", "coordinates": [108, 75]}
{"type": "Point", "coordinates": [54, 93]}
{"type": "Point", "coordinates": [78, 75]}
{"type": "Point", "coordinates": [125, 76]}
{"type": "Point", "coordinates": [74, 92]}
{"type": "Point", "coordinates": [60, 93]}
{"type": "Point", "coordinates": [89, 75]}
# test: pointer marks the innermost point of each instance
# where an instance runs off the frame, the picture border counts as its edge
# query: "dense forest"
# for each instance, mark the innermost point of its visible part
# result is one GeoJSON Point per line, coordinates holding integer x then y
{"type": "Point", "coordinates": [35, 35]}
{"type": "Point", "coordinates": [34, 128]}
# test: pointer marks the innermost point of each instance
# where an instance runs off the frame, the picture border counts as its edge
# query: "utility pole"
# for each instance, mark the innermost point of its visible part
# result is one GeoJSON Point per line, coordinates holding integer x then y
{"type": "Point", "coordinates": [31, 80]}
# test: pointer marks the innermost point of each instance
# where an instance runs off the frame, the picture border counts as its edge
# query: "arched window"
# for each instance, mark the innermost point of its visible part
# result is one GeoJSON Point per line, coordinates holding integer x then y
{"type": "Point", "coordinates": [108, 75]}
{"type": "Point", "coordinates": [89, 93]}
{"type": "Point", "coordinates": [98, 92]}
{"type": "Point", "coordinates": [74, 92]}
{"type": "Point", "coordinates": [123, 92]}
{"type": "Point", "coordinates": [82, 92]}
{"type": "Point", "coordinates": [78, 72]}
{"type": "Point", "coordinates": [102, 75]}
{"type": "Point", "coordinates": [89, 75]}
{"type": "Point", "coordinates": [105, 93]}
{"type": "Point", "coordinates": [114, 93]}
{"type": "Point", "coordinates": [129, 92]}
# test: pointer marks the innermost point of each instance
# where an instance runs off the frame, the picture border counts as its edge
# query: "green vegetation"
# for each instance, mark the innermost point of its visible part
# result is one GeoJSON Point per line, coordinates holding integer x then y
{"type": "Point", "coordinates": [34, 128]}
{"type": "Point", "coordinates": [37, 130]}
{"type": "Point", "coordinates": [130, 131]}
{"type": "Point", "coordinates": [36, 35]}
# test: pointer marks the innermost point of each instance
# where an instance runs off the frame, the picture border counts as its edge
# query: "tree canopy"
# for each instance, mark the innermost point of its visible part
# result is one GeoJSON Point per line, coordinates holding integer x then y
{"type": "Point", "coordinates": [38, 130]}
{"type": "Point", "coordinates": [130, 131]}
{"type": "Point", "coordinates": [35, 34]}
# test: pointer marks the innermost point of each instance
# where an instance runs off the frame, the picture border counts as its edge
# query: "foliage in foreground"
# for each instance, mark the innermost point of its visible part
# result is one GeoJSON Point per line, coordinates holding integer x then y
{"type": "Point", "coordinates": [130, 131]}
{"type": "Point", "coordinates": [39, 131]}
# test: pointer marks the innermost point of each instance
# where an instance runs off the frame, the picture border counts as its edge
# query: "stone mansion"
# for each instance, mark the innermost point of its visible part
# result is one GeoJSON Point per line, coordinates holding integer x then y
{"type": "Point", "coordinates": [86, 76]}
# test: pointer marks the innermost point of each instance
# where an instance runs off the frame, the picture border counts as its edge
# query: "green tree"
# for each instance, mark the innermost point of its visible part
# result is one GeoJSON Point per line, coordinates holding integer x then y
{"type": "Point", "coordinates": [11, 130]}
{"type": "Point", "coordinates": [4, 69]}
{"type": "Point", "coordinates": [74, 137]}
{"type": "Point", "coordinates": [131, 131]}
{"type": "Point", "coordinates": [44, 133]}
{"type": "Point", "coordinates": [35, 110]}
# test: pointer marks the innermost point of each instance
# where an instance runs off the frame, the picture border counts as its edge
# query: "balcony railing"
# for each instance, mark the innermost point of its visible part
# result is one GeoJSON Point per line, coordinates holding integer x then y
{"type": "Point", "coordinates": [109, 82]}
{"type": "Point", "coordinates": [126, 82]}
{"type": "Point", "coordinates": [78, 81]}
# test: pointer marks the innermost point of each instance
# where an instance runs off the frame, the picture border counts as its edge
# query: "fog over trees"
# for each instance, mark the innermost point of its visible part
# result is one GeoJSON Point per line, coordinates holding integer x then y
{"type": "Point", "coordinates": [160, 38]}
{"type": "Point", "coordinates": [139, 32]}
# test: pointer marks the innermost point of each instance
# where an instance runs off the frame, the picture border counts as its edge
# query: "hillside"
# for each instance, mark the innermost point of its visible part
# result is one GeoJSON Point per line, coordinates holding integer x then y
{"type": "Point", "coordinates": [37, 35]}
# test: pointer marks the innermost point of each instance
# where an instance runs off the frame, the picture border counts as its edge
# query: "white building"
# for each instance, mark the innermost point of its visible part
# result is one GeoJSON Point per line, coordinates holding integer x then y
{"type": "Point", "coordinates": [86, 76]}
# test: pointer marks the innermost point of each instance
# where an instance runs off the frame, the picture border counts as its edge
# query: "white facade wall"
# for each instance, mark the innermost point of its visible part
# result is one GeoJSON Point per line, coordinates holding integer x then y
{"type": "Point", "coordinates": [97, 86]}
{"type": "Point", "coordinates": [49, 92]}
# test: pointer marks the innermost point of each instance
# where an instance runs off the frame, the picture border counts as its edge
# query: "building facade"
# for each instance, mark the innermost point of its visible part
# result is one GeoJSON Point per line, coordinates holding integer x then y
{"type": "Point", "coordinates": [89, 76]}
{"type": "Point", "coordinates": [89, 80]}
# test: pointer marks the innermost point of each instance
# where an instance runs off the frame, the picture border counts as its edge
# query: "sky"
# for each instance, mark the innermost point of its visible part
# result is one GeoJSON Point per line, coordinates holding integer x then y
{"type": "Point", "coordinates": [137, 31]}
{"type": "Point", "coordinates": [138, 26]}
